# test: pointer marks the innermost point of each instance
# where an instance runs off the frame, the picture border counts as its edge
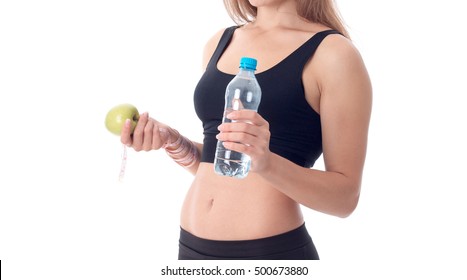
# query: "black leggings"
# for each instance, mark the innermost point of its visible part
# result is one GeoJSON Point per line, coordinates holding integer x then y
{"type": "Point", "coordinates": [293, 245]}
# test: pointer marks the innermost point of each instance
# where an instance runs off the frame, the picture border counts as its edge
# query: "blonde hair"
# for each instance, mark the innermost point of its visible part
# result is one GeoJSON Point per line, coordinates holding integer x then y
{"type": "Point", "coordinates": [319, 11]}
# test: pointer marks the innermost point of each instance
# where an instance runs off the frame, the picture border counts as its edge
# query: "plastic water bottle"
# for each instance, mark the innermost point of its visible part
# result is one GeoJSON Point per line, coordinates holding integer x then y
{"type": "Point", "coordinates": [242, 93]}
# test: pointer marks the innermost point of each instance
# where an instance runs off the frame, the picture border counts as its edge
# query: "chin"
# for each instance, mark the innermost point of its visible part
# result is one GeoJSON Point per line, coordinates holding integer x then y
{"type": "Point", "coordinates": [259, 3]}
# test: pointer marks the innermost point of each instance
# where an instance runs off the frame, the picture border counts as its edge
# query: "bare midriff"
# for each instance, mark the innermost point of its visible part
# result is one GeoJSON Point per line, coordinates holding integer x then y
{"type": "Point", "coordinates": [223, 208]}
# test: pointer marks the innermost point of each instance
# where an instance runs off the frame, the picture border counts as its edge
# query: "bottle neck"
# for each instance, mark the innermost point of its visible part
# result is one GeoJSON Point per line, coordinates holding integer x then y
{"type": "Point", "coordinates": [246, 72]}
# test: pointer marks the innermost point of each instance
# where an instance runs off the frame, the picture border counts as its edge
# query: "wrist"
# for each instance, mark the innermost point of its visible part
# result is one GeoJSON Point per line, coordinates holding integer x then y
{"type": "Point", "coordinates": [268, 167]}
{"type": "Point", "coordinates": [172, 139]}
{"type": "Point", "coordinates": [182, 150]}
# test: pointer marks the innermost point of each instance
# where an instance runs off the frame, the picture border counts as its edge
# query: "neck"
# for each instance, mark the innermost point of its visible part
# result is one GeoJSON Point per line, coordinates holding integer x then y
{"type": "Point", "coordinates": [280, 15]}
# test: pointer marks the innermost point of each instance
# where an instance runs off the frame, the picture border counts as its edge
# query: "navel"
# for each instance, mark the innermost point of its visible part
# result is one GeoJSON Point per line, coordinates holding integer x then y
{"type": "Point", "coordinates": [211, 203]}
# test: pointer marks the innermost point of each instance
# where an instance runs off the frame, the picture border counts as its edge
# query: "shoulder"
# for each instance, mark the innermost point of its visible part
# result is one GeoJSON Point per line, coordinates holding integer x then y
{"type": "Point", "coordinates": [338, 63]}
{"type": "Point", "coordinates": [337, 55]}
{"type": "Point", "coordinates": [337, 50]}
{"type": "Point", "coordinates": [211, 45]}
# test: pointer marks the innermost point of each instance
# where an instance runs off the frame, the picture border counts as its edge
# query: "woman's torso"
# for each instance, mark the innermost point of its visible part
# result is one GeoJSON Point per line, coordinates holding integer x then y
{"type": "Point", "coordinates": [223, 208]}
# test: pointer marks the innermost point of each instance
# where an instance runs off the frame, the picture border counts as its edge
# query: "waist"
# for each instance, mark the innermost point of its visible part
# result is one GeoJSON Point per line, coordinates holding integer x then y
{"type": "Point", "coordinates": [276, 244]}
{"type": "Point", "coordinates": [223, 208]}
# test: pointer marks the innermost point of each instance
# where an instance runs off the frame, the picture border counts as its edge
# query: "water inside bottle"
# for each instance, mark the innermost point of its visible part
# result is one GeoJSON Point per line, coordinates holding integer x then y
{"type": "Point", "coordinates": [231, 163]}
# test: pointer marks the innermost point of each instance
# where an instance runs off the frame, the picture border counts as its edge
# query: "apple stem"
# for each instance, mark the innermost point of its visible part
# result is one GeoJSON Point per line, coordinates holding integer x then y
{"type": "Point", "coordinates": [123, 164]}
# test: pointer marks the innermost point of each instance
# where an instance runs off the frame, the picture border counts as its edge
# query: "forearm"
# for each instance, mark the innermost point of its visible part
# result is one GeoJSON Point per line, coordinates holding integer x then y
{"type": "Point", "coordinates": [329, 192]}
{"type": "Point", "coordinates": [193, 169]}
{"type": "Point", "coordinates": [182, 150]}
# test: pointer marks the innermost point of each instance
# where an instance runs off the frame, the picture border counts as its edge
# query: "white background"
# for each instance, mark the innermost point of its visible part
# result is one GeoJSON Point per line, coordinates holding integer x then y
{"type": "Point", "coordinates": [63, 64]}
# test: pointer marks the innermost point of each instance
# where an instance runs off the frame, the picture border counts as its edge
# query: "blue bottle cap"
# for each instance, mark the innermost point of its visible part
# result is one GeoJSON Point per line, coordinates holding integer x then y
{"type": "Point", "coordinates": [248, 63]}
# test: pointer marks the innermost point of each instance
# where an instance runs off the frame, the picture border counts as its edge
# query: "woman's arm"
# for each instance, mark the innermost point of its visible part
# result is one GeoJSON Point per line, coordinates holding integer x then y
{"type": "Point", "coordinates": [345, 108]}
{"type": "Point", "coordinates": [149, 134]}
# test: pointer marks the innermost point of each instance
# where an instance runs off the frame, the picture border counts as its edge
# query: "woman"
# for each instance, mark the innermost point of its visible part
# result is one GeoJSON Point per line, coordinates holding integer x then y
{"type": "Point", "coordinates": [316, 99]}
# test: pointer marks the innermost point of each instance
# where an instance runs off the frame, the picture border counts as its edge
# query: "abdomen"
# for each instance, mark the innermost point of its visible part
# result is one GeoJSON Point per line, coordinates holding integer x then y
{"type": "Point", "coordinates": [223, 208]}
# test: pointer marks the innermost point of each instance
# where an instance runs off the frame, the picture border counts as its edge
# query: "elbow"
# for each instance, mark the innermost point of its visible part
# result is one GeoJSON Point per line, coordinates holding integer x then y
{"type": "Point", "coordinates": [348, 206]}
{"type": "Point", "coordinates": [346, 212]}
{"type": "Point", "coordinates": [342, 208]}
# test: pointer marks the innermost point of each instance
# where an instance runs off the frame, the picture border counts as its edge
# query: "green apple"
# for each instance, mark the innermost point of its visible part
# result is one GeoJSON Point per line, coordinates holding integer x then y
{"type": "Point", "coordinates": [117, 116]}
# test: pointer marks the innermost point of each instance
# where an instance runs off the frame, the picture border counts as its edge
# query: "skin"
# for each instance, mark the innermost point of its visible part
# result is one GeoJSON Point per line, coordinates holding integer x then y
{"type": "Point", "coordinates": [267, 202]}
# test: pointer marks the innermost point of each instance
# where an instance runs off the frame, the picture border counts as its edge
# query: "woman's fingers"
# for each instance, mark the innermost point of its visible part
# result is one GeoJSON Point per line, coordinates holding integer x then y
{"type": "Point", "coordinates": [125, 136]}
{"type": "Point", "coordinates": [247, 116]}
{"type": "Point", "coordinates": [138, 134]}
{"type": "Point", "coordinates": [148, 134]}
{"type": "Point", "coordinates": [239, 127]}
{"type": "Point", "coordinates": [248, 133]}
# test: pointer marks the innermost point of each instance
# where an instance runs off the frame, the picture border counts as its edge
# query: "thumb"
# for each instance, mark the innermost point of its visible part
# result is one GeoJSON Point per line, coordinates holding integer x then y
{"type": "Point", "coordinates": [125, 136]}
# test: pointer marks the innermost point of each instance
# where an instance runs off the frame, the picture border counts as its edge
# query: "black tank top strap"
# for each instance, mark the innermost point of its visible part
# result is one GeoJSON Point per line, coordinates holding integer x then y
{"type": "Point", "coordinates": [223, 43]}
{"type": "Point", "coordinates": [304, 53]}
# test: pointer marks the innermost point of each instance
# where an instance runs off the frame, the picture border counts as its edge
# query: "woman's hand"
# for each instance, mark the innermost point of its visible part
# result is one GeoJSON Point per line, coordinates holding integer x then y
{"type": "Point", "coordinates": [248, 133]}
{"type": "Point", "coordinates": [149, 134]}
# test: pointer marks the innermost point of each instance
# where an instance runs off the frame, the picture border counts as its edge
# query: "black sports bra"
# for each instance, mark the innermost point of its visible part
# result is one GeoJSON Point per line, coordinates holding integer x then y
{"type": "Point", "coordinates": [295, 127]}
